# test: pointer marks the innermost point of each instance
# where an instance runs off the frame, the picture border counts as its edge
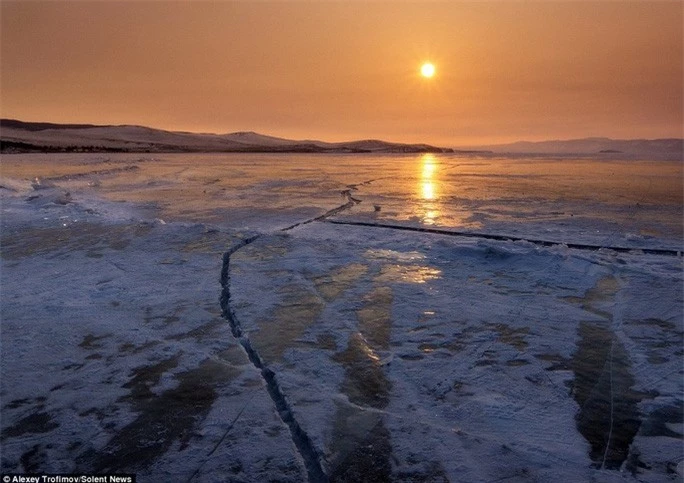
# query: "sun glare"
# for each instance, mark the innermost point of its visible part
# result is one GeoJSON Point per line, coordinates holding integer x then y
{"type": "Point", "coordinates": [427, 70]}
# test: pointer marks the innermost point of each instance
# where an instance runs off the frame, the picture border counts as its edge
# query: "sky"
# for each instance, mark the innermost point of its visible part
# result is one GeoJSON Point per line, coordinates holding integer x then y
{"type": "Point", "coordinates": [505, 70]}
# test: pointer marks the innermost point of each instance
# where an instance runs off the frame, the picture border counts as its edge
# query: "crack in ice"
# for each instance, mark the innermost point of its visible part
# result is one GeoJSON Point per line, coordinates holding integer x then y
{"type": "Point", "coordinates": [351, 201]}
{"type": "Point", "coordinates": [492, 236]}
{"type": "Point", "coordinates": [612, 410]}
{"type": "Point", "coordinates": [301, 439]}
{"type": "Point", "coordinates": [302, 442]}
{"type": "Point", "coordinates": [230, 426]}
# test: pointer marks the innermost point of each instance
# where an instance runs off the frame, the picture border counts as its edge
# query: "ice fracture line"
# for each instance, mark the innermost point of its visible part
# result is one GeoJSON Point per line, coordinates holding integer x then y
{"type": "Point", "coordinates": [302, 442]}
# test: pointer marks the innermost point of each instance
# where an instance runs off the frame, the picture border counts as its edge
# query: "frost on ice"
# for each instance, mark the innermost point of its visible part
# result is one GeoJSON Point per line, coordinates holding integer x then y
{"type": "Point", "coordinates": [208, 321]}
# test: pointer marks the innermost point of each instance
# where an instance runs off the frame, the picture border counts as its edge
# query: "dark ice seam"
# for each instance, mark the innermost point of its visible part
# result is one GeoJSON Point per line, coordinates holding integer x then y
{"type": "Point", "coordinates": [300, 438]}
{"type": "Point", "coordinates": [489, 236]}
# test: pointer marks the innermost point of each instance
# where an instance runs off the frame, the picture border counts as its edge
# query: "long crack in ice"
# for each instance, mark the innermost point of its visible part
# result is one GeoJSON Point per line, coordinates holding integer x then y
{"type": "Point", "coordinates": [492, 236]}
{"type": "Point", "coordinates": [351, 201]}
{"type": "Point", "coordinates": [301, 439]}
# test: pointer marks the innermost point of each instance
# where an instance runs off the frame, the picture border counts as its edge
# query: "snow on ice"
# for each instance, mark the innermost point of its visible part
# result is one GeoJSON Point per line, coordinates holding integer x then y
{"type": "Point", "coordinates": [200, 318]}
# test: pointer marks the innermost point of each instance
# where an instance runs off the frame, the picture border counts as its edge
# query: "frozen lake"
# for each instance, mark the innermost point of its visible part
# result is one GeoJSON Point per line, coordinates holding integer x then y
{"type": "Point", "coordinates": [258, 317]}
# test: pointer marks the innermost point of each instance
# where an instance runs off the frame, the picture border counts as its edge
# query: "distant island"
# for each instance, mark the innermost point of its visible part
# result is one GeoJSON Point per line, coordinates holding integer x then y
{"type": "Point", "coordinates": [27, 137]}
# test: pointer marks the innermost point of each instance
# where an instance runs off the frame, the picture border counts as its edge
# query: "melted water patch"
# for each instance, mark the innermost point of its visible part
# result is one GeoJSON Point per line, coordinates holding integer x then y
{"type": "Point", "coordinates": [37, 422]}
{"type": "Point", "coordinates": [609, 417]}
{"type": "Point", "coordinates": [375, 321]}
{"type": "Point", "coordinates": [365, 383]}
{"type": "Point", "coordinates": [331, 285]}
{"type": "Point", "coordinates": [360, 447]}
{"type": "Point", "coordinates": [362, 450]}
{"type": "Point", "coordinates": [171, 416]}
{"type": "Point", "coordinates": [298, 311]}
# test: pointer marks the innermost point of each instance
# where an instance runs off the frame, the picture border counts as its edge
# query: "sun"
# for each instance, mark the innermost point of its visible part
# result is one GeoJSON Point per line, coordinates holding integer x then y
{"type": "Point", "coordinates": [427, 70]}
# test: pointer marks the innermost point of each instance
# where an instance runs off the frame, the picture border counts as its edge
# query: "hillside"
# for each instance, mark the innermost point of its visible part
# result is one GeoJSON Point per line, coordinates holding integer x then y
{"type": "Point", "coordinates": [18, 136]}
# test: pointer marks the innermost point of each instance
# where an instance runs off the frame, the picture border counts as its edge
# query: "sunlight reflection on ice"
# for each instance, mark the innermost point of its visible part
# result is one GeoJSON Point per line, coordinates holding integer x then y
{"type": "Point", "coordinates": [406, 270]}
{"type": "Point", "coordinates": [381, 254]}
{"type": "Point", "coordinates": [408, 273]}
{"type": "Point", "coordinates": [428, 189]}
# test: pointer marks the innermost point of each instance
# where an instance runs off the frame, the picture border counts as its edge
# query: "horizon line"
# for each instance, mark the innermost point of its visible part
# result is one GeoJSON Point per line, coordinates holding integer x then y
{"type": "Point", "coordinates": [87, 125]}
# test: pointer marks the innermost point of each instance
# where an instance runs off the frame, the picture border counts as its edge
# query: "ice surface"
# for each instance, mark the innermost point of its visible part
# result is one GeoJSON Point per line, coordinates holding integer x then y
{"type": "Point", "coordinates": [363, 353]}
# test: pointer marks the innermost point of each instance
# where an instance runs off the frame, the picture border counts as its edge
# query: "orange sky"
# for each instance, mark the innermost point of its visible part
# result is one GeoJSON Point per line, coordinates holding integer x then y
{"type": "Point", "coordinates": [506, 70]}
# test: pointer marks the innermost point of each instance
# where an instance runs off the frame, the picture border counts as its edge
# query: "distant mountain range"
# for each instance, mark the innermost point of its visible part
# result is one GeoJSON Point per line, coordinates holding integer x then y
{"type": "Point", "coordinates": [670, 147]}
{"type": "Point", "coordinates": [18, 136]}
{"type": "Point", "coordinates": [21, 137]}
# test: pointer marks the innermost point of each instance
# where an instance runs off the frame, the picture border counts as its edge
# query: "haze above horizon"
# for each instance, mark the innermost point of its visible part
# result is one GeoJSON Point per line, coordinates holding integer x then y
{"type": "Point", "coordinates": [504, 71]}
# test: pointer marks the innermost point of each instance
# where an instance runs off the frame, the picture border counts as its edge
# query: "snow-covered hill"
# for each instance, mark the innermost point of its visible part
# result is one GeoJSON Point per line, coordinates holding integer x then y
{"type": "Point", "coordinates": [19, 136]}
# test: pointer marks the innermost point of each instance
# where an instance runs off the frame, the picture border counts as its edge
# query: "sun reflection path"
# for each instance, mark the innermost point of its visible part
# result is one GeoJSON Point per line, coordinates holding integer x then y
{"type": "Point", "coordinates": [429, 166]}
{"type": "Point", "coordinates": [428, 189]}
